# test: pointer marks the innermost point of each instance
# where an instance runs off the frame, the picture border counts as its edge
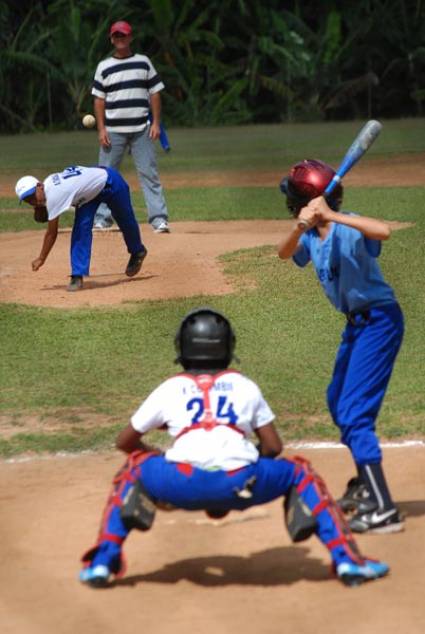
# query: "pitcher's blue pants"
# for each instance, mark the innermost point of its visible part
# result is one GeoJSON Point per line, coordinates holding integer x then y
{"type": "Point", "coordinates": [116, 194]}
{"type": "Point", "coordinates": [362, 371]}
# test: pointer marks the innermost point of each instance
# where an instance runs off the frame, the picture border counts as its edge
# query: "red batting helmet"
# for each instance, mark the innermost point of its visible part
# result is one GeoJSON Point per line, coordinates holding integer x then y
{"type": "Point", "coordinates": [309, 179]}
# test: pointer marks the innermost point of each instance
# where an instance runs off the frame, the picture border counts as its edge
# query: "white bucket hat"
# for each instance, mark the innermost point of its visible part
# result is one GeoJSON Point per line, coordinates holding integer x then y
{"type": "Point", "coordinates": [26, 186]}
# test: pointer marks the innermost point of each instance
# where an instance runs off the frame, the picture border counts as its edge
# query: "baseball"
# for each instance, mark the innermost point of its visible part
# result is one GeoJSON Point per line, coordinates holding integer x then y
{"type": "Point", "coordinates": [89, 121]}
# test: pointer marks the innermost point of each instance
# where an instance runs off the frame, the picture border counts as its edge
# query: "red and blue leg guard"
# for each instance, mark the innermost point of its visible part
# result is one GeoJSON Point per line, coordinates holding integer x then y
{"type": "Point", "coordinates": [112, 533]}
{"type": "Point", "coordinates": [331, 528]}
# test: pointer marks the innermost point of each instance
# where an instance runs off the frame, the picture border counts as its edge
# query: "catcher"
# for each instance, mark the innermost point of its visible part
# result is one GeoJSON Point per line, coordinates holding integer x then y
{"type": "Point", "coordinates": [210, 411]}
{"type": "Point", "coordinates": [84, 188]}
{"type": "Point", "coordinates": [344, 248]}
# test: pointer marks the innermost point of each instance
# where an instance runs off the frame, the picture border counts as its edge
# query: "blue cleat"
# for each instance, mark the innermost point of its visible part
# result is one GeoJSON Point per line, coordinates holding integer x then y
{"type": "Point", "coordinates": [96, 576]}
{"type": "Point", "coordinates": [352, 574]}
{"type": "Point", "coordinates": [102, 561]}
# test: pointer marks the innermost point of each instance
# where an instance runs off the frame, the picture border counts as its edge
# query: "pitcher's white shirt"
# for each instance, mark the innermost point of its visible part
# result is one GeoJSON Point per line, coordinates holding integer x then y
{"type": "Point", "coordinates": [74, 186]}
{"type": "Point", "coordinates": [236, 403]}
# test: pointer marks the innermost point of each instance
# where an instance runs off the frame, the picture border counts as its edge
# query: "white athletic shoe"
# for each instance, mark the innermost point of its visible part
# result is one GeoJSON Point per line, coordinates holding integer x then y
{"type": "Point", "coordinates": [163, 227]}
{"type": "Point", "coordinates": [103, 225]}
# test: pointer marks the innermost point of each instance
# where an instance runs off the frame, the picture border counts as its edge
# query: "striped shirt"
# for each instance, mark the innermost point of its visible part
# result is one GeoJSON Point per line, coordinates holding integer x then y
{"type": "Point", "coordinates": [125, 85]}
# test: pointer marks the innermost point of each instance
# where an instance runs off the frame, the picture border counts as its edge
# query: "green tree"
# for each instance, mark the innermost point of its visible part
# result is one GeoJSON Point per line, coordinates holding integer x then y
{"type": "Point", "coordinates": [79, 39]}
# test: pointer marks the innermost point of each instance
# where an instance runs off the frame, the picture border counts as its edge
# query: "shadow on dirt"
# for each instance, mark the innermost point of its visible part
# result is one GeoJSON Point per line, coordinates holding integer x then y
{"type": "Point", "coordinates": [90, 284]}
{"type": "Point", "coordinates": [273, 567]}
{"type": "Point", "coordinates": [412, 508]}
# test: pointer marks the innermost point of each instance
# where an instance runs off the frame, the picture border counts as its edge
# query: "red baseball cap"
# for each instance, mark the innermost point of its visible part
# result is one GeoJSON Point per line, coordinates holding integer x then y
{"type": "Point", "coordinates": [120, 27]}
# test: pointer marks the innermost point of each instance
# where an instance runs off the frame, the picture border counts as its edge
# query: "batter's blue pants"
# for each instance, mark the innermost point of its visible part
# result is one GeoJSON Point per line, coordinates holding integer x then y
{"type": "Point", "coordinates": [186, 487]}
{"type": "Point", "coordinates": [362, 371]}
{"type": "Point", "coordinates": [116, 194]}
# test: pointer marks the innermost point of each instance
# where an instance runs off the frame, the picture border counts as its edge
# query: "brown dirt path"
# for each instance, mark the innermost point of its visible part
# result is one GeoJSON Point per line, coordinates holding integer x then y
{"type": "Point", "coordinates": [191, 574]}
{"type": "Point", "coordinates": [183, 263]}
{"type": "Point", "coordinates": [180, 264]}
{"type": "Point", "coordinates": [391, 170]}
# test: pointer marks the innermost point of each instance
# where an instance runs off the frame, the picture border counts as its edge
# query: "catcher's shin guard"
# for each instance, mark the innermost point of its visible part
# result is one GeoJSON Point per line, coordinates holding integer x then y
{"type": "Point", "coordinates": [299, 519]}
{"type": "Point", "coordinates": [138, 508]}
{"type": "Point", "coordinates": [124, 511]}
{"type": "Point", "coordinates": [309, 508]}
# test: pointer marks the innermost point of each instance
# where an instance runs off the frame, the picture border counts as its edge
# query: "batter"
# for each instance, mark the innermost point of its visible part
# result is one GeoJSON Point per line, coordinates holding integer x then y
{"type": "Point", "coordinates": [343, 248]}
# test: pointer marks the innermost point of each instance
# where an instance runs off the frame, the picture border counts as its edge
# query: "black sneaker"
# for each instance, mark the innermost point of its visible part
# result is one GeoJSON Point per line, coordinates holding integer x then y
{"type": "Point", "coordinates": [378, 521]}
{"type": "Point", "coordinates": [135, 263]}
{"type": "Point", "coordinates": [76, 283]}
{"type": "Point", "coordinates": [355, 493]}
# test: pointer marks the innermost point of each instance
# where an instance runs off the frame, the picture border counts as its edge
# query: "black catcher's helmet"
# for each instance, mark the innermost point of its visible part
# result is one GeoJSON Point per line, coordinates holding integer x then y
{"type": "Point", "coordinates": [309, 179]}
{"type": "Point", "coordinates": [204, 340]}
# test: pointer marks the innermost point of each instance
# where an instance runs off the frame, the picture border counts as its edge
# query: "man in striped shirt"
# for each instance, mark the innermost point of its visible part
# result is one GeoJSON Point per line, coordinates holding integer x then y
{"type": "Point", "coordinates": [126, 87]}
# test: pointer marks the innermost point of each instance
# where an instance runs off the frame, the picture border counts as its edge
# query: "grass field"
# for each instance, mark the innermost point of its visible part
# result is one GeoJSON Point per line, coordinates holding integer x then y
{"type": "Point", "coordinates": [74, 366]}
{"type": "Point", "coordinates": [249, 148]}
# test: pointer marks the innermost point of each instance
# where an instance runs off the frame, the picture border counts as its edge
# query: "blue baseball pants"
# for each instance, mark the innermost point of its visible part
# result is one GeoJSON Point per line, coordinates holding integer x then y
{"type": "Point", "coordinates": [116, 194]}
{"type": "Point", "coordinates": [362, 371]}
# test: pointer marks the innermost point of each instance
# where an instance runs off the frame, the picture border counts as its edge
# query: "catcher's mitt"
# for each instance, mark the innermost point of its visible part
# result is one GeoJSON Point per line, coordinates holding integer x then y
{"type": "Point", "coordinates": [40, 214]}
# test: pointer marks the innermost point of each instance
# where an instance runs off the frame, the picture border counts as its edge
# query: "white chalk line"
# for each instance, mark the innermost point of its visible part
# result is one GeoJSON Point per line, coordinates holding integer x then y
{"type": "Point", "coordinates": [336, 445]}
{"type": "Point", "coordinates": [402, 444]}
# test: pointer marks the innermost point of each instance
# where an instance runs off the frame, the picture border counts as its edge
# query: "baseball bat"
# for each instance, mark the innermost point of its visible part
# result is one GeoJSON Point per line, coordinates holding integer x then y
{"type": "Point", "coordinates": [163, 136]}
{"type": "Point", "coordinates": [359, 146]}
{"type": "Point", "coordinates": [163, 139]}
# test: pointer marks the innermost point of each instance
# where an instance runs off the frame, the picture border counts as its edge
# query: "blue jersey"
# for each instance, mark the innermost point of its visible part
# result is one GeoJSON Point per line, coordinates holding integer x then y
{"type": "Point", "coordinates": [345, 263]}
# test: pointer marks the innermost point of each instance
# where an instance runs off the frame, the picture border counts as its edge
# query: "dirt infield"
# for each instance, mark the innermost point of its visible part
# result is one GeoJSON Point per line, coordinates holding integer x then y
{"type": "Point", "coordinates": [189, 573]}
{"type": "Point", "coordinates": [180, 264]}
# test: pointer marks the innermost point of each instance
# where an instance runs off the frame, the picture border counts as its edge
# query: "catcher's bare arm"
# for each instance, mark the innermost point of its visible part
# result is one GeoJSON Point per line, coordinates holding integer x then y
{"type": "Point", "coordinates": [270, 442]}
{"type": "Point", "coordinates": [129, 440]}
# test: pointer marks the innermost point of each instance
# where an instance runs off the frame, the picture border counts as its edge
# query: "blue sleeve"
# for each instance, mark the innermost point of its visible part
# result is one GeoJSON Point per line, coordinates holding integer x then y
{"type": "Point", "coordinates": [373, 247]}
{"type": "Point", "coordinates": [302, 256]}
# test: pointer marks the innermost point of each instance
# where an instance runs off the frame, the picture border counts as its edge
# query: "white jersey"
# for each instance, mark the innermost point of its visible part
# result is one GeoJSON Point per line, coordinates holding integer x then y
{"type": "Point", "coordinates": [74, 186]}
{"type": "Point", "coordinates": [210, 426]}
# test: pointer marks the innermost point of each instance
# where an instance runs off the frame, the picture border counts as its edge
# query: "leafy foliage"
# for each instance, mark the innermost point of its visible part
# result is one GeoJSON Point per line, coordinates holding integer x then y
{"type": "Point", "coordinates": [223, 61]}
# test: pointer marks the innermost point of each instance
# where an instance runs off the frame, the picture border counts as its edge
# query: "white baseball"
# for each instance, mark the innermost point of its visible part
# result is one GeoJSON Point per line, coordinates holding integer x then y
{"type": "Point", "coordinates": [89, 121]}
